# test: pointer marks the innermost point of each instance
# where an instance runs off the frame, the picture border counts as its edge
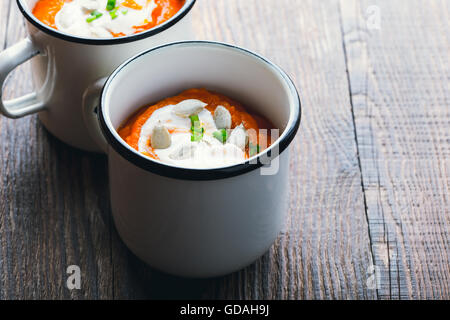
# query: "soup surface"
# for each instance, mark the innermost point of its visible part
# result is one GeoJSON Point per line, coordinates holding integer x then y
{"type": "Point", "coordinates": [197, 129]}
{"type": "Point", "coordinates": [105, 18]}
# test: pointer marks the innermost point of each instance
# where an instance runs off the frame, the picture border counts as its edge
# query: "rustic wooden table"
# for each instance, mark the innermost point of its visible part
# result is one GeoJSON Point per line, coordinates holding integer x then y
{"type": "Point", "coordinates": [370, 167]}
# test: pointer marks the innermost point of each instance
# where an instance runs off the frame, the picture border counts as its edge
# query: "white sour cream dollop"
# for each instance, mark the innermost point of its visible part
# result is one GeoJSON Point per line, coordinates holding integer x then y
{"type": "Point", "coordinates": [73, 16]}
{"type": "Point", "coordinates": [207, 153]}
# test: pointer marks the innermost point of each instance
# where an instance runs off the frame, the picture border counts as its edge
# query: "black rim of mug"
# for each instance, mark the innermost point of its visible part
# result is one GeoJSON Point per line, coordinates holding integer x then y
{"type": "Point", "coordinates": [199, 174]}
{"type": "Point", "coordinates": [138, 36]}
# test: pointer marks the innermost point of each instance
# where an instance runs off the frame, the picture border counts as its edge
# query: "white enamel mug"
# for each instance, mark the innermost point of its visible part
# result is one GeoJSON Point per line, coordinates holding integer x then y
{"type": "Point", "coordinates": [65, 66]}
{"type": "Point", "coordinates": [190, 222]}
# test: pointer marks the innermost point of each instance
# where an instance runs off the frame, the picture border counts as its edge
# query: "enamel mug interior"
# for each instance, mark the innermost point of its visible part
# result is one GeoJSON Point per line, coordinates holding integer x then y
{"type": "Point", "coordinates": [167, 70]}
{"type": "Point", "coordinates": [26, 6]}
{"type": "Point", "coordinates": [190, 222]}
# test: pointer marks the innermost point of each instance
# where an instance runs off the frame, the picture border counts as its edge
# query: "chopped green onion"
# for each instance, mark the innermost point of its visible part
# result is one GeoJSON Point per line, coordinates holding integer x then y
{"type": "Point", "coordinates": [194, 119]}
{"type": "Point", "coordinates": [253, 149]}
{"type": "Point", "coordinates": [196, 129]}
{"type": "Point", "coordinates": [113, 14]}
{"type": "Point", "coordinates": [111, 5]}
{"type": "Point", "coordinates": [124, 12]}
{"type": "Point", "coordinates": [197, 134]}
{"type": "Point", "coordinates": [218, 136]}
{"type": "Point", "coordinates": [196, 138]}
{"type": "Point", "coordinates": [221, 135]}
{"type": "Point", "coordinates": [94, 16]}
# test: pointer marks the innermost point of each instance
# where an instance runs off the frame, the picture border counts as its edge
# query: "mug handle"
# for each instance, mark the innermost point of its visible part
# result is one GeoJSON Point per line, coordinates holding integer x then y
{"type": "Point", "coordinates": [10, 59]}
{"type": "Point", "coordinates": [90, 110]}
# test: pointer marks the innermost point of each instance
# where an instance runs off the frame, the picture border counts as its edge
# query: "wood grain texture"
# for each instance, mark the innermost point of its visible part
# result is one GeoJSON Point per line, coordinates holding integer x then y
{"type": "Point", "coordinates": [324, 251]}
{"type": "Point", "coordinates": [399, 78]}
{"type": "Point", "coordinates": [54, 208]}
{"type": "Point", "coordinates": [369, 168]}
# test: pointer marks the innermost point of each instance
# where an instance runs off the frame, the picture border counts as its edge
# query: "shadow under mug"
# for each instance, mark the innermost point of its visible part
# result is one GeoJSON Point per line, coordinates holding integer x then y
{"type": "Point", "coordinates": [65, 66]}
{"type": "Point", "coordinates": [196, 222]}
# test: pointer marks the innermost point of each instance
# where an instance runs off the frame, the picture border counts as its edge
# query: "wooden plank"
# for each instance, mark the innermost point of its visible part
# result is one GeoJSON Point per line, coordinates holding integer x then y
{"type": "Point", "coordinates": [54, 208]}
{"type": "Point", "coordinates": [399, 74]}
{"type": "Point", "coordinates": [324, 251]}
{"type": "Point", "coordinates": [5, 8]}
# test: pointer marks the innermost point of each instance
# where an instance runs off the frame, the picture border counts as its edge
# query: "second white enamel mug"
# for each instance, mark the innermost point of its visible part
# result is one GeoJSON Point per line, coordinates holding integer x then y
{"type": "Point", "coordinates": [197, 222]}
{"type": "Point", "coordinates": [65, 66]}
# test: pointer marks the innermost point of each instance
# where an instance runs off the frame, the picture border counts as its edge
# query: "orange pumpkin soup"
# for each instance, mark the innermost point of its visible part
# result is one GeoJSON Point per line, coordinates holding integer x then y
{"type": "Point", "coordinates": [103, 18]}
{"type": "Point", "coordinates": [221, 121]}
